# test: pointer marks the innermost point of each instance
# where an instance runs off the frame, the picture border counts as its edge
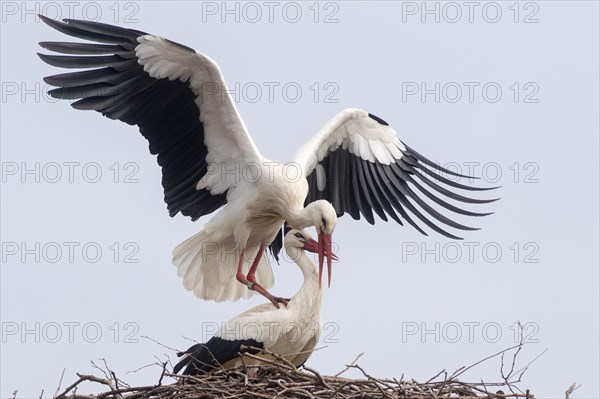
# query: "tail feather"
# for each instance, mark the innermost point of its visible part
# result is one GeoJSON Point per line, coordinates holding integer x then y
{"type": "Point", "coordinates": [202, 358]}
{"type": "Point", "coordinates": [196, 359]}
{"type": "Point", "coordinates": [208, 268]}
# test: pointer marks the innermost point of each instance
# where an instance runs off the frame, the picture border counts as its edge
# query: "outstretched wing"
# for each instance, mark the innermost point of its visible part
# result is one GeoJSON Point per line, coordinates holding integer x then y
{"type": "Point", "coordinates": [176, 96]}
{"type": "Point", "coordinates": [357, 163]}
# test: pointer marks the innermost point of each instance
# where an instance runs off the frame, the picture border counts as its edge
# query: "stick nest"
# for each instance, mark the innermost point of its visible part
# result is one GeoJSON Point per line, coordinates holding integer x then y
{"type": "Point", "coordinates": [279, 379]}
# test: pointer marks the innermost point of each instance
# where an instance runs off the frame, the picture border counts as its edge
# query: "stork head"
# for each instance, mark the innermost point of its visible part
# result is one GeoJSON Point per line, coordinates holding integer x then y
{"type": "Point", "coordinates": [324, 218]}
{"type": "Point", "coordinates": [303, 240]}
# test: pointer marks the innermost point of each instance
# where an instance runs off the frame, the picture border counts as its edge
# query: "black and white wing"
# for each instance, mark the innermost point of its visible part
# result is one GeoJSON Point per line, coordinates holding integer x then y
{"type": "Point", "coordinates": [357, 163]}
{"type": "Point", "coordinates": [202, 358]}
{"type": "Point", "coordinates": [260, 327]}
{"type": "Point", "coordinates": [176, 96]}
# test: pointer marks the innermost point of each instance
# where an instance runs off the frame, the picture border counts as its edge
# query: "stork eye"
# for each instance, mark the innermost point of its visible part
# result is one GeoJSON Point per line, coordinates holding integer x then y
{"type": "Point", "coordinates": [324, 223]}
{"type": "Point", "coordinates": [299, 235]}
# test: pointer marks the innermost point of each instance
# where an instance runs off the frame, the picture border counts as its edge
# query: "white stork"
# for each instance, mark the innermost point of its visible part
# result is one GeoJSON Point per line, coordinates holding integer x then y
{"type": "Point", "coordinates": [178, 99]}
{"type": "Point", "coordinates": [292, 331]}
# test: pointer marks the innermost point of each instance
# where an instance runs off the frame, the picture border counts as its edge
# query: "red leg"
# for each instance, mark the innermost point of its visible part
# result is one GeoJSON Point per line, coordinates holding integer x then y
{"type": "Point", "coordinates": [250, 280]}
{"type": "Point", "coordinates": [251, 276]}
{"type": "Point", "coordinates": [240, 275]}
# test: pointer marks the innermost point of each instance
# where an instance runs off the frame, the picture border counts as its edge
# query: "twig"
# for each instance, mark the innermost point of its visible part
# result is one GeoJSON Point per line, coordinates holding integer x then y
{"type": "Point", "coordinates": [140, 368]}
{"type": "Point", "coordinates": [158, 343]}
{"type": "Point", "coordinates": [162, 374]}
{"type": "Point", "coordinates": [350, 365]}
{"type": "Point", "coordinates": [319, 376]}
{"type": "Point", "coordinates": [463, 369]}
{"type": "Point", "coordinates": [69, 388]}
{"type": "Point", "coordinates": [571, 389]}
{"type": "Point", "coordinates": [523, 369]}
{"type": "Point", "coordinates": [59, 383]}
{"type": "Point", "coordinates": [263, 351]}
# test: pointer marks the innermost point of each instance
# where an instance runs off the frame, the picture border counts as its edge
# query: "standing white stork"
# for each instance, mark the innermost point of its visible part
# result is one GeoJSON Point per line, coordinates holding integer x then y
{"type": "Point", "coordinates": [291, 332]}
{"type": "Point", "coordinates": [178, 98]}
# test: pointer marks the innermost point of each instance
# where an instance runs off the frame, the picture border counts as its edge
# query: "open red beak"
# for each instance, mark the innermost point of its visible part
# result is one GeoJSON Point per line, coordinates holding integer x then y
{"type": "Point", "coordinates": [323, 248]}
{"type": "Point", "coordinates": [312, 246]}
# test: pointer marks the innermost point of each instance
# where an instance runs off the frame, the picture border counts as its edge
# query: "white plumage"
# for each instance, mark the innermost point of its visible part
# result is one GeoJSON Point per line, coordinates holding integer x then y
{"type": "Point", "coordinates": [291, 331]}
{"type": "Point", "coordinates": [255, 203]}
{"type": "Point", "coordinates": [179, 100]}
{"type": "Point", "coordinates": [214, 278]}
{"type": "Point", "coordinates": [354, 130]}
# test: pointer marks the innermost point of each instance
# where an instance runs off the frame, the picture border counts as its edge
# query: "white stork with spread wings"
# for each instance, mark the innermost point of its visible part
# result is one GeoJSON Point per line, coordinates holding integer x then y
{"type": "Point", "coordinates": [178, 99]}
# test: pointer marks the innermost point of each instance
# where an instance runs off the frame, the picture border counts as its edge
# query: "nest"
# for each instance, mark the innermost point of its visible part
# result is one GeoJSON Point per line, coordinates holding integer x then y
{"type": "Point", "coordinates": [279, 379]}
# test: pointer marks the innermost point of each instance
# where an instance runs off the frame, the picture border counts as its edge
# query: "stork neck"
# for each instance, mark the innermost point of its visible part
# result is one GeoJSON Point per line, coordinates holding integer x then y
{"type": "Point", "coordinates": [310, 293]}
{"type": "Point", "coordinates": [299, 219]}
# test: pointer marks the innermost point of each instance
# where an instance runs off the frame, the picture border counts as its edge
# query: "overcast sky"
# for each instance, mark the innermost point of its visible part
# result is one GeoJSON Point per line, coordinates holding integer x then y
{"type": "Point", "coordinates": [508, 90]}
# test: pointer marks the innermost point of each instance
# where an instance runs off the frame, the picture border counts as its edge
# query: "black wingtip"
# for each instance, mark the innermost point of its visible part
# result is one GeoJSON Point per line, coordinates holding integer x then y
{"type": "Point", "coordinates": [448, 235]}
{"type": "Point", "coordinates": [378, 119]}
{"type": "Point", "coordinates": [45, 58]}
{"type": "Point", "coordinates": [49, 21]}
{"type": "Point", "coordinates": [485, 188]}
{"type": "Point", "coordinates": [420, 158]}
{"type": "Point", "coordinates": [48, 79]}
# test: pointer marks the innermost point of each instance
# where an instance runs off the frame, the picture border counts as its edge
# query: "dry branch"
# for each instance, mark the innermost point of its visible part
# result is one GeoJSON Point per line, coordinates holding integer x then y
{"type": "Point", "coordinates": [276, 379]}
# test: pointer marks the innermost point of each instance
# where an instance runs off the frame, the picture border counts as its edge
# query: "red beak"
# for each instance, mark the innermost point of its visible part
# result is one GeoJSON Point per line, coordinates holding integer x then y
{"type": "Point", "coordinates": [312, 246]}
{"type": "Point", "coordinates": [325, 248]}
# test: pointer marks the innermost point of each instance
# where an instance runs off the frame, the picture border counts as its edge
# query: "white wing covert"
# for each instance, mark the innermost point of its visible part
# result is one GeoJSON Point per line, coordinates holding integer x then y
{"type": "Point", "coordinates": [357, 163]}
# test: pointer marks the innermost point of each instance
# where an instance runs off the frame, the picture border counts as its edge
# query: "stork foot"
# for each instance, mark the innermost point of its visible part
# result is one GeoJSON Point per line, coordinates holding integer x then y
{"type": "Point", "coordinates": [254, 286]}
{"type": "Point", "coordinates": [275, 300]}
